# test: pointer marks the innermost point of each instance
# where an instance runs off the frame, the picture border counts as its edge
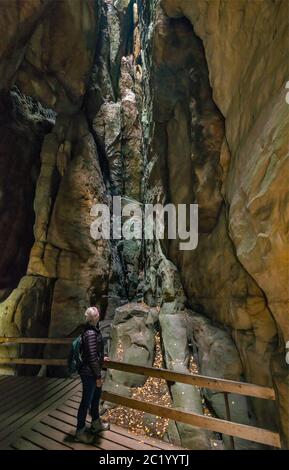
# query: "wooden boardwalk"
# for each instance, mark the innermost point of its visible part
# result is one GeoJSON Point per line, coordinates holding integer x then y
{"type": "Point", "coordinates": [40, 414]}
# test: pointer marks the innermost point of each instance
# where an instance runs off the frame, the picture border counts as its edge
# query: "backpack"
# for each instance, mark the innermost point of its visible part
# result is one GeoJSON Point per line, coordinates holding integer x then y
{"type": "Point", "coordinates": [75, 359]}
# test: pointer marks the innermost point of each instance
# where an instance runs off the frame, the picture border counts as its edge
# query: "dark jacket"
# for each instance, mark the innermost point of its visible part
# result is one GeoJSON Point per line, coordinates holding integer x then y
{"type": "Point", "coordinates": [92, 352]}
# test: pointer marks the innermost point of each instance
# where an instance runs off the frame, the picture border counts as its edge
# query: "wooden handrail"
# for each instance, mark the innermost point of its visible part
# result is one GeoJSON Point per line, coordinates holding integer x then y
{"type": "Point", "coordinates": [242, 431]}
{"type": "Point", "coordinates": [33, 362]}
{"type": "Point", "coordinates": [263, 436]}
{"type": "Point", "coordinates": [6, 340]}
{"type": "Point", "coordinates": [222, 385]}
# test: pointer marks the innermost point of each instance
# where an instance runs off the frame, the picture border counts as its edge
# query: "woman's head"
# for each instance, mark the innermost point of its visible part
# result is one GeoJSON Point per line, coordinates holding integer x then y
{"type": "Point", "coordinates": [92, 315]}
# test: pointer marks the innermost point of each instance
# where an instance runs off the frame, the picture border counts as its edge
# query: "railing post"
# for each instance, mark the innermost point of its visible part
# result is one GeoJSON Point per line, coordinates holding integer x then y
{"type": "Point", "coordinates": [228, 414]}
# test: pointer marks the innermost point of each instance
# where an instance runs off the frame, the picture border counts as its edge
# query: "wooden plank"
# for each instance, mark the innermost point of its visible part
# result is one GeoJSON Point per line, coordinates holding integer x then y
{"type": "Point", "coordinates": [74, 401]}
{"type": "Point", "coordinates": [4, 378]}
{"type": "Point", "coordinates": [6, 340]}
{"type": "Point", "coordinates": [67, 432]}
{"type": "Point", "coordinates": [222, 385]}
{"type": "Point", "coordinates": [70, 411]}
{"type": "Point", "coordinates": [75, 398]}
{"type": "Point", "coordinates": [101, 442]}
{"type": "Point", "coordinates": [33, 362]}
{"type": "Point", "coordinates": [138, 441]}
{"type": "Point", "coordinates": [10, 404]}
{"type": "Point", "coordinates": [7, 379]}
{"type": "Point", "coordinates": [22, 444]}
{"type": "Point", "coordinates": [35, 395]}
{"type": "Point", "coordinates": [42, 405]}
{"type": "Point", "coordinates": [61, 437]}
{"type": "Point", "coordinates": [7, 386]}
{"type": "Point", "coordinates": [13, 407]}
{"type": "Point", "coordinates": [54, 434]}
{"type": "Point", "coordinates": [34, 415]}
{"type": "Point", "coordinates": [243, 431]}
{"type": "Point", "coordinates": [63, 427]}
{"type": "Point", "coordinates": [12, 379]}
{"type": "Point", "coordinates": [45, 442]}
{"type": "Point", "coordinates": [15, 392]}
{"type": "Point", "coordinates": [66, 418]}
{"type": "Point", "coordinates": [108, 441]}
{"type": "Point", "coordinates": [19, 390]}
{"type": "Point", "coordinates": [158, 443]}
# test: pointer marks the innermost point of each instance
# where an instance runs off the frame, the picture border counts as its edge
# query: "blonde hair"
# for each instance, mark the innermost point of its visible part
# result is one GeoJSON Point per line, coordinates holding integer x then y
{"type": "Point", "coordinates": [92, 315]}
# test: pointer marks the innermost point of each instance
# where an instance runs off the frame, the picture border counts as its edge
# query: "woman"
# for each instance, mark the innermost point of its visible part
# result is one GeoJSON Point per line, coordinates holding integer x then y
{"type": "Point", "coordinates": [90, 373]}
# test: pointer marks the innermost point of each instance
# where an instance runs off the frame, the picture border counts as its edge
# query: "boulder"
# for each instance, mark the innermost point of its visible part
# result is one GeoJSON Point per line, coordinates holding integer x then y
{"type": "Point", "coordinates": [185, 397]}
{"type": "Point", "coordinates": [132, 341]}
{"type": "Point", "coordinates": [218, 357]}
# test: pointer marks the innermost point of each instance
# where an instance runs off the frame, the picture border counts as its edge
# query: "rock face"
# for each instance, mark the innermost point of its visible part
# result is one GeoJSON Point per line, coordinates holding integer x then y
{"type": "Point", "coordinates": [133, 341]}
{"type": "Point", "coordinates": [64, 249]}
{"type": "Point", "coordinates": [166, 101]}
{"type": "Point", "coordinates": [17, 25]}
{"type": "Point", "coordinates": [53, 71]}
{"type": "Point", "coordinates": [217, 356]}
{"type": "Point", "coordinates": [176, 355]}
{"type": "Point", "coordinates": [70, 269]}
{"type": "Point", "coordinates": [22, 126]}
{"type": "Point", "coordinates": [239, 273]}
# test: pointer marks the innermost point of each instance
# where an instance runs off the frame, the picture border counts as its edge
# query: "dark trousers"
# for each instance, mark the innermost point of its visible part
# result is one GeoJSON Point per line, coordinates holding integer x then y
{"type": "Point", "coordinates": [90, 400]}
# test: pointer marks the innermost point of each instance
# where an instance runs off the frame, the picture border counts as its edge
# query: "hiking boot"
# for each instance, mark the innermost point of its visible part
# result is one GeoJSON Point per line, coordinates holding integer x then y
{"type": "Point", "coordinates": [98, 426]}
{"type": "Point", "coordinates": [83, 436]}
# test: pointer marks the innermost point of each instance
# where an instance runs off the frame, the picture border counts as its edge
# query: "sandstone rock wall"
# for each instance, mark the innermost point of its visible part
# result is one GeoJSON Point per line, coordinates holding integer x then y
{"type": "Point", "coordinates": [239, 273]}
{"type": "Point", "coordinates": [22, 126]}
{"type": "Point", "coordinates": [51, 55]}
{"type": "Point", "coordinates": [77, 59]}
{"type": "Point", "coordinates": [133, 341]}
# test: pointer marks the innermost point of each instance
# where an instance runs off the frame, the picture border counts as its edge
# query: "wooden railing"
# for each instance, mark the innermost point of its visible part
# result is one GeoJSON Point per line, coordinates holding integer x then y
{"type": "Point", "coordinates": [243, 431]}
